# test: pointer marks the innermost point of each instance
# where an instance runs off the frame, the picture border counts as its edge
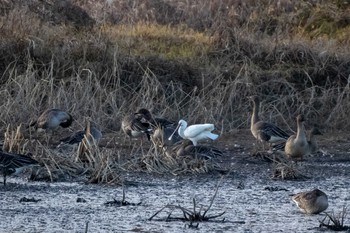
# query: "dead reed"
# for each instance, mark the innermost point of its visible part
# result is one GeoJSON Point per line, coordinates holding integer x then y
{"type": "Point", "coordinates": [158, 160]}
{"type": "Point", "coordinates": [123, 202]}
{"type": "Point", "coordinates": [197, 60]}
{"type": "Point", "coordinates": [193, 215]}
{"type": "Point", "coordinates": [286, 170]}
{"type": "Point", "coordinates": [14, 140]}
{"type": "Point", "coordinates": [335, 222]}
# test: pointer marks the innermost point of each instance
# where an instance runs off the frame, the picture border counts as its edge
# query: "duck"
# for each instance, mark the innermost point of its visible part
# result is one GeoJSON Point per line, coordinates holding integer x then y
{"type": "Point", "coordinates": [51, 119]}
{"type": "Point", "coordinates": [153, 121]}
{"type": "Point", "coordinates": [297, 146]}
{"type": "Point", "coordinates": [78, 136]}
{"type": "Point", "coordinates": [11, 163]}
{"type": "Point", "coordinates": [133, 127]}
{"type": "Point", "coordinates": [195, 132]}
{"type": "Point", "coordinates": [186, 148]}
{"type": "Point", "coordinates": [265, 131]}
{"type": "Point", "coordinates": [311, 202]}
{"type": "Point", "coordinates": [161, 134]}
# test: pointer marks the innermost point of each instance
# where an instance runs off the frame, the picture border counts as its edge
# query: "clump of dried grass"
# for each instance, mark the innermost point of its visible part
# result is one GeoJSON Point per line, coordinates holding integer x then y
{"type": "Point", "coordinates": [164, 161]}
{"type": "Point", "coordinates": [193, 215]}
{"type": "Point", "coordinates": [55, 165]}
{"type": "Point", "coordinates": [104, 169]}
{"type": "Point", "coordinates": [14, 140]}
{"type": "Point", "coordinates": [58, 165]}
{"type": "Point", "coordinates": [286, 170]}
{"type": "Point", "coordinates": [335, 222]}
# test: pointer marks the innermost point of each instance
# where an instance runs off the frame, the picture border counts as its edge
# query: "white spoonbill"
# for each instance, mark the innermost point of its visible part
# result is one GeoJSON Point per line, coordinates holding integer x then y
{"type": "Point", "coordinates": [195, 133]}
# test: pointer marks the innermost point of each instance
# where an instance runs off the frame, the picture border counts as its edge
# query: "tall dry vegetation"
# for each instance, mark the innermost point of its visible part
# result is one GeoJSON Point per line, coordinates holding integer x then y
{"type": "Point", "coordinates": [197, 60]}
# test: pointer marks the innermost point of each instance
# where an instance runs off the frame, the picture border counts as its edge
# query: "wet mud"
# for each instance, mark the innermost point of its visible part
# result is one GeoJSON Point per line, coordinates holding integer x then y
{"type": "Point", "coordinates": [251, 199]}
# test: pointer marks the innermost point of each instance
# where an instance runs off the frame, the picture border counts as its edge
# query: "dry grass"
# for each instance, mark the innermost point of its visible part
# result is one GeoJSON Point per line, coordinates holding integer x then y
{"type": "Point", "coordinates": [170, 42]}
{"type": "Point", "coordinates": [335, 222]}
{"type": "Point", "coordinates": [194, 215]}
{"type": "Point", "coordinates": [181, 59]}
{"type": "Point", "coordinates": [14, 140]}
{"type": "Point", "coordinates": [62, 166]}
{"type": "Point", "coordinates": [158, 160]}
{"type": "Point", "coordinates": [286, 170]}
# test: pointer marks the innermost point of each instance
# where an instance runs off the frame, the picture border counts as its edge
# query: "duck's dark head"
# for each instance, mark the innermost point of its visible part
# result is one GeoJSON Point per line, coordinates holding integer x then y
{"type": "Point", "coordinates": [144, 113]}
{"type": "Point", "coordinates": [68, 122]}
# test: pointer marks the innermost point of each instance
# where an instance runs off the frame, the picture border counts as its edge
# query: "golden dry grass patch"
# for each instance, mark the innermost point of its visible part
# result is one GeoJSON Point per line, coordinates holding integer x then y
{"type": "Point", "coordinates": [148, 39]}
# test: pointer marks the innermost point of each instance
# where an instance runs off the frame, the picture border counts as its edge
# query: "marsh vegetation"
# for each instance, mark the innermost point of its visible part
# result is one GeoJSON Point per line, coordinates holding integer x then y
{"type": "Point", "coordinates": [194, 60]}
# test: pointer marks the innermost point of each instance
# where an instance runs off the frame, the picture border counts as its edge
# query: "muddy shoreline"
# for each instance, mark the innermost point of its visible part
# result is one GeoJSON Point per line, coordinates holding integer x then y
{"type": "Point", "coordinates": [252, 201]}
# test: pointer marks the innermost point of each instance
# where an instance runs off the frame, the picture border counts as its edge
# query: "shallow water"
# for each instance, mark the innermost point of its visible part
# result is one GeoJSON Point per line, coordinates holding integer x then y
{"type": "Point", "coordinates": [248, 206]}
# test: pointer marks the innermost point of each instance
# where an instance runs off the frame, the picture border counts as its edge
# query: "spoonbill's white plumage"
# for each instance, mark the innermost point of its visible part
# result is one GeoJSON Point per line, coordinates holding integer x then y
{"type": "Point", "coordinates": [196, 132]}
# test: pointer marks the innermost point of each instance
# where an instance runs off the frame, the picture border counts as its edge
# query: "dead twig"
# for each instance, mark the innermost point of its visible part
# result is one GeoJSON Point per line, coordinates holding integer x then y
{"type": "Point", "coordinates": [190, 215]}
{"type": "Point", "coordinates": [335, 222]}
{"type": "Point", "coordinates": [121, 203]}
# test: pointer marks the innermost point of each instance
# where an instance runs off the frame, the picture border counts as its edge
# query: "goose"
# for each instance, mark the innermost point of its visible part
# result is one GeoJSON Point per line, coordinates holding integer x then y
{"type": "Point", "coordinates": [297, 145]}
{"type": "Point", "coordinates": [13, 163]}
{"type": "Point", "coordinates": [313, 145]}
{"type": "Point", "coordinates": [51, 119]}
{"type": "Point", "coordinates": [195, 133]}
{"type": "Point", "coordinates": [78, 136]}
{"type": "Point", "coordinates": [134, 127]}
{"type": "Point", "coordinates": [161, 134]}
{"type": "Point", "coordinates": [311, 202]}
{"type": "Point", "coordinates": [186, 148]}
{"type": "Point", "coordinates": [264, 131]}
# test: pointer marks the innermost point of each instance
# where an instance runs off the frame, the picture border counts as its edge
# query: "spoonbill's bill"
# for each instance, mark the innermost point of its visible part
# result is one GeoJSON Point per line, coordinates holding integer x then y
{"type": "Point", "coordinates": [161, 134]}
{"type": "Point", "coordinates": [196, 132]}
